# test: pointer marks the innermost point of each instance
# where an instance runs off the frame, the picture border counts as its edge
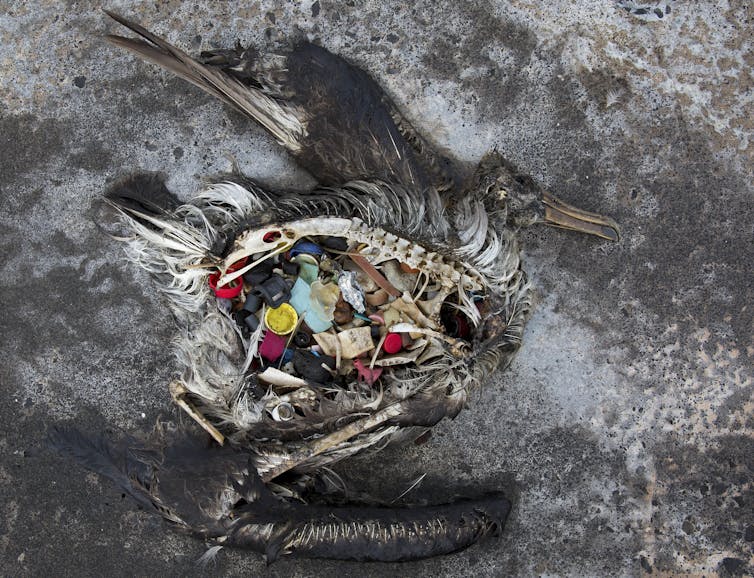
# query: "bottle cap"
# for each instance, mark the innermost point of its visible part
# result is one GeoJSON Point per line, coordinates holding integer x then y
{"type": "Point", "coordinates": [228, 291]}
{"type": "Point", "coordinates": [281, 320]}
{"type": "Point", "coordinates": [301, 339]}
{"type": "Point", "coordinates": [393, 343]}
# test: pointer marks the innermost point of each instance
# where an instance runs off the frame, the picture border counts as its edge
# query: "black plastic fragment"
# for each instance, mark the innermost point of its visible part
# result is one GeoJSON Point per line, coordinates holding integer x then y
{"type": "Point", "coordinates": [260, 273]}
{"type": "Point", "coordinates": [274, 291]}
{"type": "Point", "coordinates": [335, 244]}
{"type": "Point", "coordinates": [253, 302]}
{"type": "Point", "coordinates": [252, 322]}
{"type": "Point", "coordinates": [302, 339]}
{"type": "Point", "coordinates": [290, 268]}
{"type": "Point", "coordinates": [309, 366]}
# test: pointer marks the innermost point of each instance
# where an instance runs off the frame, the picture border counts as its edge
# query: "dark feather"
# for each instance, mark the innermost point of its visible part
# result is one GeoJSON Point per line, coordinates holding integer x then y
{"type": "Point", "coordinates": [144, 193]}
{"type": "Point", "coordinates": [213, 493]}
{"type": "Point", "coordinates": [96, 454]}
{"type": "Point", "coordinates": [349, 128]}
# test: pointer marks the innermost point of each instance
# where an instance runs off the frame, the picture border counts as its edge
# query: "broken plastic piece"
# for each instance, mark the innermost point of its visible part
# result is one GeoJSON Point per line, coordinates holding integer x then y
{"type": "Point", "coordinates": [290, 268]}
{"type": "Point", "coordinates": [301, 302]}
{"type": "Point", "coordinates": [309, 365]}
{"type": "Point", "coordinates": [369, 376]}
{"type": "Point", "coordinates": [379, 297]}
{"type": "Point", "coordinates": [300, 296]}
{"type": "Point", "coordinates": [281, 320]}
{"type": "Point", "coordinates": [279, 378]}
{"type": "Point", "coordinates": [306, 247]}
{"type": "Point", "coordinates": [355, 341]}
{"type": "Point", "coordinates": [335, 244]}
{"type": "Point", "coordinates": [323, 299]}
{"type": "Point", "coordinates": [224, 304]}
{"type": "Point", "coordinates": [377, 318]}
{"type": "Point", "coordinates": [274, 291]}
{"type": "Point", "coordinates": [391, 316]}
{"type": "Point", "coordinates": [272, 346]}
{"type": "Point", "coordinates": [308, 269]}
{"type": "Point", "coordinates": [316, 323]}
{"type": "Point", "coordinates": [240, 318]}
{"type": "Point", "coordinates": [374, 274]}
{"type": "Point", "coordinates": [252, 322]}
{"type": "Point", "coordinates": [260, 273]}
{"type": "Point", "coordinates": [351, 342]}
{"type": "Point", "coordinates": [252, 303]}
{"type": "Point", "coordinates": [401, 280]}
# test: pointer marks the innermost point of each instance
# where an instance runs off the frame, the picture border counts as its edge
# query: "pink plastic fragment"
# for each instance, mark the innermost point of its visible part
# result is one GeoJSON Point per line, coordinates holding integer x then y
{"type": "Point", "coordinates": [272, 346]}
{"type": "Point", "coordinates": [365, 374]}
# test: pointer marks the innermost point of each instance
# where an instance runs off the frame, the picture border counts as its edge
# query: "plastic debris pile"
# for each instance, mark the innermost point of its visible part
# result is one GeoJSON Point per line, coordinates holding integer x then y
{"type": "Point", "coordinates": [321, 315]}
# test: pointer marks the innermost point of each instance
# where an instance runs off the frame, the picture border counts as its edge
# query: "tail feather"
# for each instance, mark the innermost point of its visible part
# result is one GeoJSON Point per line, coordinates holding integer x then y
{"type": "Point", "coordinates": [277, 118]}
{"type": "Point", "coordinates": [217, 494]}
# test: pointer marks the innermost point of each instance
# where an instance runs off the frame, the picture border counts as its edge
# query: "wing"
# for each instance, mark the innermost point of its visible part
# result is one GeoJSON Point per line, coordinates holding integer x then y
{"type": "Point", "coordinates": [330, 115]}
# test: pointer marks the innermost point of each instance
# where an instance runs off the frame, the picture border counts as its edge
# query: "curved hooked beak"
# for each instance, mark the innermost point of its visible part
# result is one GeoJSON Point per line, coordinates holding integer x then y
{"type": "Point", "coordinates": [563, 215]}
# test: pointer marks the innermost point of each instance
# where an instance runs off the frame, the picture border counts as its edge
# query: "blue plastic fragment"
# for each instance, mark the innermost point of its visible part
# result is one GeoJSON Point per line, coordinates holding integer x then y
{"type": "Point", "coordinates": [301, 302]}
{"type": "Point", "coordinates": [306, 247]}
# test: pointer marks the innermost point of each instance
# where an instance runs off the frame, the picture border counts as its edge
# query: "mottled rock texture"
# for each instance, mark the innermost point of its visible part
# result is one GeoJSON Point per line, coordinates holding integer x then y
{"type": "Point", "coordinates": [623, 431]}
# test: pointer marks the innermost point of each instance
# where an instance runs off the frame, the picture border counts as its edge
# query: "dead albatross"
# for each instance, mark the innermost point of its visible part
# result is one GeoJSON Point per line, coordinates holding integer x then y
{"type": "Point", "coordinates": [322, 324]}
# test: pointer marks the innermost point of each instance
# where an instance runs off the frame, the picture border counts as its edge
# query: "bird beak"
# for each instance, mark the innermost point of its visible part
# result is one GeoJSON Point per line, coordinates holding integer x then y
{"type": "Point", "coordinates": [560, 214]}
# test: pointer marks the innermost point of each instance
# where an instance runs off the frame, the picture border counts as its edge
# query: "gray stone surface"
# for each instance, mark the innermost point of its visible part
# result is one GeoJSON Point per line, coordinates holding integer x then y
{"type": "Point", "coordinates": [624, 430]}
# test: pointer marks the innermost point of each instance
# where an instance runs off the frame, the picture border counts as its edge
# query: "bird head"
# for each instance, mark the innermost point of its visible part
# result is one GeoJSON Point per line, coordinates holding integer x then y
{"type": "Point", "coordinates": [520, 201]}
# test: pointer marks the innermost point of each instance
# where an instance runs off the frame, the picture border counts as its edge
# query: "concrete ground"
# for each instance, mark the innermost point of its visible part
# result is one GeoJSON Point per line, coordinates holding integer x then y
{"type": "Point", "coordinates": [624, 429]}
